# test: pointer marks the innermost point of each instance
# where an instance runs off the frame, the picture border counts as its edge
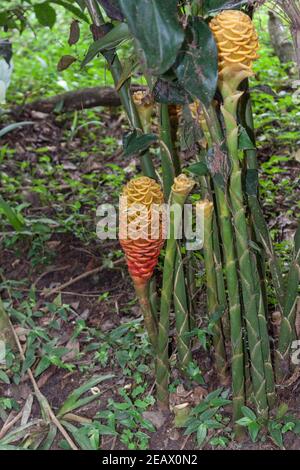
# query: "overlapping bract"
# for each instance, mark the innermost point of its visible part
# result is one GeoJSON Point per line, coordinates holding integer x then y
{"type": "Point", "coordinates": [142, 252]}
{"type": "Point", "coordinates": [236, 38]}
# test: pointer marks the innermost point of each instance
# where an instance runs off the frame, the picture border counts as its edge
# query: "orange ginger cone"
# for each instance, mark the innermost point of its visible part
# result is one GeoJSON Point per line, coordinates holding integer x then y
{"type": "Point", "coordinates": [141, 238]}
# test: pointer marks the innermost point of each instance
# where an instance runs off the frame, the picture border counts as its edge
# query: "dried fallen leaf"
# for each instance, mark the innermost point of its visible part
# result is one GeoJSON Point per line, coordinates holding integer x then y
{"type": "Point", "coordinates": [65, 62]}
{"type": "Point", "coordinates": [74, 33]}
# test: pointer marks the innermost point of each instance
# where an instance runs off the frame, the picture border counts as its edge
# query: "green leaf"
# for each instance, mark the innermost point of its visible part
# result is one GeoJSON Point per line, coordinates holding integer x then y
{"type": "Point", "coordinates": [253, 429]}
{"type": "Point", "coordinates": [68, 6]}
{"type": "Point", "coordinates": [199, 169]}
{"type": "Point", "coordinates": [155, 24]}
{"type": "Point", "coordinates": [15, 220]}
{"type": "Point", "coordinates": [252, 182]}
{"type": "Point", "coordinates": [201, 434]}
{"type": "Point", "coordinates": [72, 401]}
{"type": "Point", "coordinates": [15, 125]}
{"type": "Point", "coordinates": [214, 394]}
{"type": "Point", "coordinates": [276, 434]}
{"type": "Point", "coordinates": [282, 410]}
{"type": "Point", "coordinates": [110, 41]}
{"type": "Point", "coordinates": [244, 421]}
{"type": "Point", "coordinates": [197, 66]}
{"type": "Point", "coordinates": [47, 443]}
{"type": "Point", "coordinates": [245, 142]}
{"type": "Point", "coordinates": [4, 377]}
{"type": "Point", "coordinates": [210, 6]}
{"type": "Point", "coordinates": [45, 14]}
{"type": "Point", "coordinates": [248, 412]}
{"type": "Point", "coordinates": [135, 143]}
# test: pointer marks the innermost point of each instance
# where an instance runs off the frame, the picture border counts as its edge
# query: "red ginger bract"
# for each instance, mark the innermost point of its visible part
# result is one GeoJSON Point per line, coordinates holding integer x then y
{"type": "Point", "coordinates": [141, 253]}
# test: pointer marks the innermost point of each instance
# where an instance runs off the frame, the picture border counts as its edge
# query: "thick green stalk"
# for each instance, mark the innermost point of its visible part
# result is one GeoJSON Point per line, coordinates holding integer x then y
{"type": "Point", "coordinates": [168, 162]}
{"type": "Point", "coordinates": [169, 159]}
{"type": "Point", "coordinates": [261, 367]}
{"type": "Point", "coordinates": [162, 364]}
{"type": "Point", "coordinates": [115, 68]}
{"type": "Point", "coordinates": [287, 327]}
{"type": "Point", "coordinates": [220, 278]}
{"type": "Point", "coordinates": [153, 297]}
{"type": "Point", "coordinates": [212, 293]}
{"type": "Point", "coordinates": [182, 318]}
{"type": "Point", "coordinates": [259, 222]}
{"type": "Point", "coordinates": [237, 359]}
{"type": "Point", "coordinates": [142, 292]}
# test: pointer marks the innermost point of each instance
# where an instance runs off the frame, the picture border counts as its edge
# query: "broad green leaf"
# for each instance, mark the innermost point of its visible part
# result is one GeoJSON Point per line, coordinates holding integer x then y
{"type": "Point", "coordinates": [201, 434]}
{"type": "Point", "coordinates": [49, 438]}
{"type": "Point", "coordinates": [282, 410]}
{"type": "Point", "coordinates": [45, 14]}
{"type": "Point", "coordinates": [155, 24]}
{"type": "Point", "coordinates": [248, 413]}
{"type": "Point", "coordinates": [214, 394]}
{"type": "Point", "coordinates": [79, 435]}
{"type": "Point", "coordinates": [210, 6]}
{"type": "Point", "coordinates": [245, 142]}
{"type": "Point", "coordinates": [253, 429]}
{"type": "Point", "coordinates": [68, 6]}
{"type": "Point", "coordinates": [244, 421]}
{"type": "Point", "coordinates": [72, 401]}
{"type": "Point", "coordinates": [199, 169]}
{"type": "Point", "coordinates": [138, 143]}
{"type": "Point", "coordinates": [276, 434]}
{"type": "Point", "coordinates": [197, 65]}
{"type": "Point", "coordinates": [15, 220]}
{"type": "Point", "coordinates": [4, 377]}
{"type": "Point", "coordinates": [111, 40]}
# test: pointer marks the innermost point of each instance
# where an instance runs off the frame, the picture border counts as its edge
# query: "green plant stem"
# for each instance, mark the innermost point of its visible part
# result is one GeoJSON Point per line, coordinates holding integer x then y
{"type": "Point", "coordinates": [166, 150]}
{"type": "Point", "coordinates": [212, 297]}
{"type": "Point", "coordinates": [153, 297]}
{"type": "Point", "coordinates": [116, 69]}
{"type": "Point", "coordinates": [220, 277]}
{"type": "Point", "coordinates": [182, 318]}
{"type": "Point", "coordinates": [237, 359]}
{"type": "Point", "coordinates": [261, 367]}
{"type": "Point", "coordinates": [259, 222]}
{"type": "Point", "coordinates": [162, 363]}
{"type": "Point", "coordinates": [142, 292]}
{"type": "Point", "coordinates": [287, 327]}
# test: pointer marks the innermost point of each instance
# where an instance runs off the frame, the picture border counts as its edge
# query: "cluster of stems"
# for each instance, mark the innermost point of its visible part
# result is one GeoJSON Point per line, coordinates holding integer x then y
{"type": "Point", "coordinates": [235, 273]}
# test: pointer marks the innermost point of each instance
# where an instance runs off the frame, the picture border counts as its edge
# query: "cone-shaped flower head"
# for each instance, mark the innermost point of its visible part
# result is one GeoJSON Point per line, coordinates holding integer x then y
{"type": "Point", "coordinates": [183, 185]}
{"type": "Point", "coordinates": [145, 106]}
{"type": "Point", "coordinates": [141, 234]}
{"type": "Point", "coordinates": [236, 38]}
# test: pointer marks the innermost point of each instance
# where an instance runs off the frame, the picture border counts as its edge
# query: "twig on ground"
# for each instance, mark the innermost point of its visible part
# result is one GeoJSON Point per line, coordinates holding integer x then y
{"type": "Point", "coordinates": [79, 278]}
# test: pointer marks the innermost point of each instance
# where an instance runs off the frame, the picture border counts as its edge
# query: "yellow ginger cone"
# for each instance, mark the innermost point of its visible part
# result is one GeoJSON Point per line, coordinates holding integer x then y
{"type": "Point", "coordinates": [236, 38]}
{"type": "Point", "coordinates": [140, 212]}
{"type": "Point", "coordinates": [142, 252]}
